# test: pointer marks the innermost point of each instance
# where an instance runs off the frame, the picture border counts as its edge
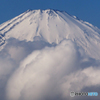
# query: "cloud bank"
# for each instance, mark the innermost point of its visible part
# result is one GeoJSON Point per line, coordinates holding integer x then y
{"type": "Point", "coordinates": [47, 72]}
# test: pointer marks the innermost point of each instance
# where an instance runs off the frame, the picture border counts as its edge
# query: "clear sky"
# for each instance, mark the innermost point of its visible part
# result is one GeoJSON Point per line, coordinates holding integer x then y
{"type": "Point", "coordinates": [87, 10]}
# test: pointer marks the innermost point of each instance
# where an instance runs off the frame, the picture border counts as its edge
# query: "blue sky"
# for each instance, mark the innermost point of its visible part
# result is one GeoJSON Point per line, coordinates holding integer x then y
{"type": "Point", "coordinates": [87, 10]}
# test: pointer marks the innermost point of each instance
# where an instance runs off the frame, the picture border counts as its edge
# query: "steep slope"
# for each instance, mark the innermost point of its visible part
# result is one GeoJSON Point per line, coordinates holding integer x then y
{"type": "Point", "coordinates": [52, 26]}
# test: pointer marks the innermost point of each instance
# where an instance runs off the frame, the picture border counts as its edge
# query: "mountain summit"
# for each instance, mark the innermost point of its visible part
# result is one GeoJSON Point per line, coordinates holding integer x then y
{"type": "Point", "coordinates": [52, 26]}
{"type": "Point", "coordinates": [46, 54]}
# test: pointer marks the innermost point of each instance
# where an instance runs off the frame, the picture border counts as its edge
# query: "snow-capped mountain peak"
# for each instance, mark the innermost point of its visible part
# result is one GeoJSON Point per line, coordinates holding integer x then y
{"type": "Point", "coordinates": [46, 54]}
{"type": "Point", "coordinates": [51, 26]}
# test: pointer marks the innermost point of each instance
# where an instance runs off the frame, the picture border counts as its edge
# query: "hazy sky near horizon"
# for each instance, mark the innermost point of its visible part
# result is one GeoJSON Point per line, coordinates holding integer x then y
{"type": "Point", "coordinates": [87, 10]}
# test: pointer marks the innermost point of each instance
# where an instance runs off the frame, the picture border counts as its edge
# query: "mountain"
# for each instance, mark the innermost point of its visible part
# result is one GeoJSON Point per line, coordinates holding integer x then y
{"type": "Point", "coordinates": [52, 26]}
{"type": "Point", "coordinates": [49, 51]}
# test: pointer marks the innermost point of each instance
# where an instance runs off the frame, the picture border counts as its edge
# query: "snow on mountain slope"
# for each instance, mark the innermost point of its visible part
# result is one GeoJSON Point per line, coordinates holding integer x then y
{"type": "Point", "coordinates": [53, 26]}
{"type": "Point", "coordinates": [46, 54]}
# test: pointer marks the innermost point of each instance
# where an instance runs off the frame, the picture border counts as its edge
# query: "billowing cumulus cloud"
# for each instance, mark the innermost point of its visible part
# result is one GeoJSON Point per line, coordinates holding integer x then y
{"type": "Point", "coordinates": [7, 66]}
{"type": "Point", "coordinates": [10, 57]}
{"type": "Point", "coordinates": [40, 75]}
{"type": "Point", "coordinates": [49, 73]}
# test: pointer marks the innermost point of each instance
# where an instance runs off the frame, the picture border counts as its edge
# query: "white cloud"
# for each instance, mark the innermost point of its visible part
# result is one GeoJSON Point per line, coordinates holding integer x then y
{"type": "Point", "coordinates": [80, 79]}
{"type": "Point", "coordinates": [50, 73]}
{"type": "Point", "coordinates": [40, 74]}
{"type": "Point", "coordinates": [7, 66]}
